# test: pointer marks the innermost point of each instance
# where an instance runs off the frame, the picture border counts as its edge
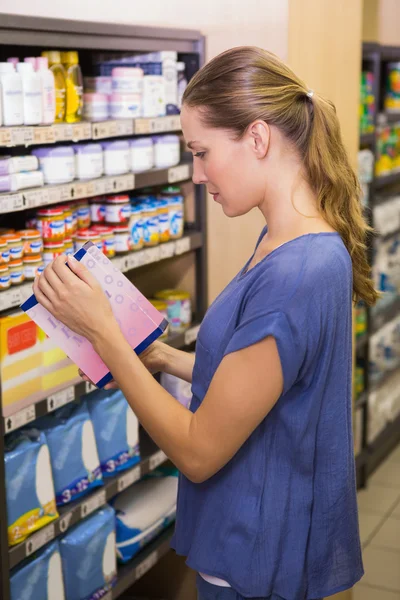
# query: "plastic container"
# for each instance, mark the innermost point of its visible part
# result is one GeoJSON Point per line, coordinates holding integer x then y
{"type": "Point", "coordinates": [16, 269]}
{"type": "Point", "coordinates": [107, 238]}
{"type": "Point", "coordinates": [179, 308]}
{"type": "Point", "coordinates": [127, 80]}
{"type": "Point", "coordinates": [163, 220]}
{"type": "Point", "coordinates": [123, 240]}
{"type": "Point", "coordinates": [4, 252]}
{"type": "Point", "coordinates": [98, 210]}
{"type": "Point", "coordinates": [162, 307]}
{"type": "Point", "coordinates": [55, 66]}
{"type": "Point", "coordinates": [154, 103]}
{"type": "Point", "coordinates": [142, 154]}
{"type": "Point", "coordinates": [118, 209]}
{"type": "Point", "coordinates": [57, 164]}
{"type": "Point", "coordinates": [74, 86]}
{"type": "Point", "coordinates": [125, 106]}
{"type": "Point", "coordinates": [117, 159]}
{"type": "Point", "coordinates": [31, 241]}
{"type": "Point", "coordinates": [15, 247]}
{"type": "Point", "coordinates": [68, 219]}
{"type": "Point", "coordinates": [166, 151]}
{"type": "Point", "coordinates": [69, 246]}
{"type": "Point", "coordinates": [151, 233]}
{"type": "Point", "coordinates": [32, 94]}
{"type": "Point", "coordinates": [51, 250]}
{"type": "Point", "coordinates": [95, 107]}
{"type": "Point", "coordinates": [51, 224]}
{"type": "Point", "coordinates": [98, 85]}
{"type": "Point", "coordinates": [176, 217]}
{"type": "Point", "coordinates": [48, 90]}
{"type": "Point", "coordinates": [11, 95]}
{"type": "Point", "coordinates": [87, 235]}
{"type": "Point", "coordinates": [32, 265]}
{"type": "Point", "coordinates": [5, 279]}
{"type": "Point", "coordinates": [136, 227]}
{"type": "Point", "coordinates": [83, 211]}
{"type": "Point", "coordinates": [17, 164]}
{"type": "Point", "coordinates": [21, 181]}
{"type": "Point", "coordinates": [32, 60]}
{"type": "Point", "coordinates": [88, 161]}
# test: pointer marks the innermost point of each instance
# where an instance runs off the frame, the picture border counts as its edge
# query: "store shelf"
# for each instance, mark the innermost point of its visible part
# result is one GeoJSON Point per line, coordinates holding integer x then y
{"type": "Point", "coordinates": [383, 444]}
{"type": "Point", "coordinates": [384, 315]}
{"type": "Point", "coordinates": [361, 342]}
{"type": "Point", "coordinates": [51, 194]}
{"type": "Point", "coordinates": [79, 510]}
{"type": "Point", "coordinates": [391, 118]}
{"type": "Point", "coordinates": [14, 297]}
{"type": "Point", "coordinates": [367, 139]}
{"type": "Point", "coordinates": [384, 180]}
{"type": "Point", "coordinates": [361, 400]}
{"type": "Point", "coordinates": [77, 132]}
{"type": "Point", "coordinates": [142, 563]}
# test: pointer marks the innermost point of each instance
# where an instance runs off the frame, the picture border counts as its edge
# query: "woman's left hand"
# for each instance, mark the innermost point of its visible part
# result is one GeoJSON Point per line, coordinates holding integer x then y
{"type": "Point", "coordinates": [74, 297]}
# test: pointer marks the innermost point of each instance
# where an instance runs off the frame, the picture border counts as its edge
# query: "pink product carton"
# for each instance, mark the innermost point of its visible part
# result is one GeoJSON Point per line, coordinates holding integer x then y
{"type": "Point", "coordinates": [140, 323]}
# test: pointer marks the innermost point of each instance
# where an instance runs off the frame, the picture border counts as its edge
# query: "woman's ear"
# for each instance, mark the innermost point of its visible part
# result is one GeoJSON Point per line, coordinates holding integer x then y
{"type": "Point", "coordinates": [260, 135]}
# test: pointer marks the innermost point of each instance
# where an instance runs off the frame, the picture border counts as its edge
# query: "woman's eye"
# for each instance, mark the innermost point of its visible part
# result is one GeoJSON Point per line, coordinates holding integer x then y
{"type": "Point", "coordinates": [199, 154]}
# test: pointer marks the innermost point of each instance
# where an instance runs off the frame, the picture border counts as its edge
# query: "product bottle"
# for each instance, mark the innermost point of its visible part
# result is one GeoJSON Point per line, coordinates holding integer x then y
{"type": "Point", "coordinates": [12, 98]}
{"type": "Point", "coordinates": [32, 93]}
{"type": "Point", "coordinates": [182, 81]}
{"type": "Point", "coordinates": [74, 86]}
{"type": "Point", "coordinates": [31, 60]}
{"type": "Point", "coordinates": [54, 61]}
{"type": "Point", "coordinates": [48, 90]}
{"type": "Point", "coordinates": [13, 60]}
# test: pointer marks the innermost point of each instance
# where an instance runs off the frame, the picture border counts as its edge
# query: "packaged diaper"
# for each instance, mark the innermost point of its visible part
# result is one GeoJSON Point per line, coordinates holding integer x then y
{"type": "Point", "coordinates": [89, 557]}
{"type": "Point", "coordinates": [29, 484]}
{"type": "Point", "coordinates": [40, 577]}
{"type": "Point", "coordinates": [178, 388]}
{"type": "Point", "coordinates": [116, 428]}
{"type": "Point", "coordinates": [144, 510]}
{"type": "Point", "coordinates": [74, 458]}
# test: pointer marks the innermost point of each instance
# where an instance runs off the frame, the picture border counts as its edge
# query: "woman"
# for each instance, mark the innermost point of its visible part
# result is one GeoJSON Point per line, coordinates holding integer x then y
{"type": "Point", "coordinates": [267, 499]}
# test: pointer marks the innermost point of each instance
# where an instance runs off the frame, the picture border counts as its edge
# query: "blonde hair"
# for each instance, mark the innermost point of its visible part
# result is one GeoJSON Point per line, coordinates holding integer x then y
{"type": "Point", "coordinates": [247, 83]}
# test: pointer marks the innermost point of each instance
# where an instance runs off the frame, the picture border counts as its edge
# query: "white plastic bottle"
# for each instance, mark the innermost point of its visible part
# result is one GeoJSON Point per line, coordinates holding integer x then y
{"type": "Point", "coordinates": [32, 93]}
{"type": "Point", "coordinates": [48, 90]}
{"type": "Point", "coordinates": [12, 98]}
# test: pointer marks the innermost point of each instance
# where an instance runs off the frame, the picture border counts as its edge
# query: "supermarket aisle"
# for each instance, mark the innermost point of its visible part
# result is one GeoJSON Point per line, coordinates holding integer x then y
{"type": "Point", "coordinates": [379, 511]}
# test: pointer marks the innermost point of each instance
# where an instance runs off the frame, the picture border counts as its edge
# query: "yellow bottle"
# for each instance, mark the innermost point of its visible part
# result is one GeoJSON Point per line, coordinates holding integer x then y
{"type": "Point", "coordinates": [74, 83]}
{"type": "Point", "coordinates": [54, 59]}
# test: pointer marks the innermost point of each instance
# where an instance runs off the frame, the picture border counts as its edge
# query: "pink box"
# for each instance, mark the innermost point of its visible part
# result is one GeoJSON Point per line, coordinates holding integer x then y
{"type": "Point", "coordinates": [140, 323]}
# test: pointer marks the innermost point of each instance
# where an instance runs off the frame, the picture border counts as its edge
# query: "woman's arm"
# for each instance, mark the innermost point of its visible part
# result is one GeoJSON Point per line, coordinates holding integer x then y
{"type": "Point", "coordinates": [176, 362]}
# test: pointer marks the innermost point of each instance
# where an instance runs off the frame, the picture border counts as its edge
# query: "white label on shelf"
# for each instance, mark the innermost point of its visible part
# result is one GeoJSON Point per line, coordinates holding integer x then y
{"type": "Point", "coordinates": [157, 459]}
{"type": "Point", "coordinates": [129, 478]}
{"type": "Point", "coordinates": [179, 173]}
{"type": "Point", "coordinates": [54, 194]}
{"type": "Point", "coordinates": [122, 183]}
{"type": "Point", "coordinates": [5, 136]}
{"type": "Point", "coordinates": [22, 136]}
{"type": "Point", "coordinates": [60, 398]}
{"type": "Point", "coordinates": [182, 245]}
{"type": "Point", "coordinates": [89, 387]}
{"type": "Point", "coordinates": [39, 539]}
{"type": "Point", "coordinates": [141, 126]}
{"type": "Point", "coordinates": [104, 129]}
{"type": "Point", "coordinates": [175, 123]}
{"type": "Point", "coordinates": [167, 250]}
{"type": "Point", "coordinates": [67, 192]}
{"type": "Point", "coordinates": [10, 298]}
{"type": "Point", "coordinates": [80, 190]}
{"type": "Point", "coordinates": [124, 127]}
{"type": "Point", "coordinates": [19, 419]}
{"type": "Point", "coordinates": [146, 565]}
{"type": "Point", "coordinates": [152, 255]}
{"type": "Point", "coordinates": [36, 198]}
{"type": "Point", "coordinates": [11, 202]}
{"type": "Point", "coordinates": [191, 335]}
{"type": "Point", "coordinates": [44, 135]}
{"type": "Point", "coordinates": [93, 503]}
{"type": "Point", "coordinates": [134, 260]}
{"type": "Point", "coordinates": [159, 125]}
{"type": "Point", "coordinates": [65, 521]}
{"type": "Point", "coordinates": [63, 132]}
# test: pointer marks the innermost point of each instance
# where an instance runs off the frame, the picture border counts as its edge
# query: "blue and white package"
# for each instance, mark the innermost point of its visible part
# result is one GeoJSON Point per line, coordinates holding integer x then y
{"type": "Point", "coordinates": [29, 484]}
{"type": "Point", "coordinates": [116, 428]}
{"type": "Point", "coordinates": [74, 458]}
{"type": "Point", "coordinates": [144, 510]}
{"type": "Point", "coordinates": [39, 577]}
{"type": "Point", "coordinates": [89, 557]}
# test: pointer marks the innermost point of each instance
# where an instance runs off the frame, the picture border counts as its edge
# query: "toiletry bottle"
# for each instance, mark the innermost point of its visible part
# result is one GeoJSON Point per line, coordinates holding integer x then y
{"type": "Point", "coordinates": [32, 93]}
{"type": "Point", "coordinates": [31, 60]}
{"type": "Point", "coordinates": [13, 60]}
{"type": "Point", "coordinates": [12, 98]}
{"type": "Point", "coordinates": [54, 60]}
{"type": "Point", "coordinates": [74, 83]}
{"type": "Point", "coordinates": [48, 90]}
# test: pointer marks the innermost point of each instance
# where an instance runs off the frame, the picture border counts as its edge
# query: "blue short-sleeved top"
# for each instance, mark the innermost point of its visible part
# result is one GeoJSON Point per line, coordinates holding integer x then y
{"type": "Point", "coordinates": [281, 517]}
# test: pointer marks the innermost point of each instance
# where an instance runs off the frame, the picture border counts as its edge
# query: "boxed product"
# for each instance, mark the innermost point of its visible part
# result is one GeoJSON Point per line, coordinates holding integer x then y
{"type": "Point", "coordinates": [31, 503]}
{"type": "Point", "coordinates": [144, 510]}
{"type": "Point", "coordinates": [139, 321]}
{"type": "Point", "coordinates": [89, 557]}
{"type": "Point", "coordinates": [73, 451]}
{"type": "Point", "coordinates": [31, 365]}
{"type": "Point", "coordinates": [116, 429]}
{"type": "Point", "coordinates": [40, 576]}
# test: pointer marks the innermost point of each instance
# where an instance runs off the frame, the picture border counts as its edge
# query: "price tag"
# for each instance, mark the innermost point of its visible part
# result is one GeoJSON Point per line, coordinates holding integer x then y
{"type": "Point", "coordinates": [19, 419]}
{"type": "Point", "coordinates": [44, 135]}
{"type": "Point", "coordinates": [124, 127]}
{"type": "Point", "coordinates": [167, 250]}
{"type": "Point", "coordinates": [10, 298]}
{"type": "Point", "coordinates": [77, 132]}
{"type": "Point", "coordinates": [179, 173]}
{"type": "Point", "coordinates": [122, 183]}
{"type": "Point", "coordinates": [142, 126]}
{"type": "Point", "coordinates": [67, 192]}
{"type": "Point", "coordinates": [65, 522]}
{"type": "Point", "coordinates": [19, 202]}
{"type": "Point", "coordinates": [93, 503]}
{"type": "Point", "coordinates": [191, 335]}
{"type": "Point", "coordinates": [159, 125]}
{"type": "Point", "coordinates": [157, 459]}
{"type": "Point", "coordinates": [182, 245]}
{"type": "Point", "coordinates": [146, 565]}
{"type": "Point", "coordinates": [39, 539]}
{"type": "Point", "coordinates": [60, 398]}
{"type": "Point", "coordinates": [175, 123]}
{"type": "Point", "coordinates": [22, 136]}
{"type": "Point", "coordinates": [153, 255]}
{"type": "Point", "coordinates": [89, 387]}
{"type": "Point", "coordinates": [5, 136]}
{"type": "Point", "coordinates": [99, 187]}
{"type": "Point", "coordinates": [129, 478]}
{"type": "Point", "coordinates": [135, 260]}
{"type": "Point", "coordinates": [80, 190]}
{"type": "Point", "coordinates": [35, 198]}
{"type": "Point", "coordinates": [63, 133]}
{"type": "Point", "coordinates": [86, 131]}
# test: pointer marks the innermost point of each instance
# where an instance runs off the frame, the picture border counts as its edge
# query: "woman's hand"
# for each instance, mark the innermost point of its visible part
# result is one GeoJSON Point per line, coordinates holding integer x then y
{"type": "Point", "coordinates": [72, 295]}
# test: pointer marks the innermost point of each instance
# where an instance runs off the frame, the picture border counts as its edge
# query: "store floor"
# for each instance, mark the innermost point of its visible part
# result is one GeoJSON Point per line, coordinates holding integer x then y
{"type": "Point", "coordinates": [379, 513]}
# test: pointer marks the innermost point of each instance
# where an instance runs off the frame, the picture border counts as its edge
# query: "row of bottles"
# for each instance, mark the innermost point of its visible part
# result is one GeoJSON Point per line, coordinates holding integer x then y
{"type": "Point", "coordinates": [41, 90]}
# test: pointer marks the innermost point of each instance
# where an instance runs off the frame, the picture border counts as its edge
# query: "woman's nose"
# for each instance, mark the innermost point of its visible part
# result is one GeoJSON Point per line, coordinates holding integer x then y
{"type": "Point", "coordinates": [198, 174]}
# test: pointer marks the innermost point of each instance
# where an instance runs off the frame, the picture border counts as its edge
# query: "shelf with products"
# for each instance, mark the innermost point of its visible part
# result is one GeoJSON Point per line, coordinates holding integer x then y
{"type": "Point", "coordinates": [367, 139]}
